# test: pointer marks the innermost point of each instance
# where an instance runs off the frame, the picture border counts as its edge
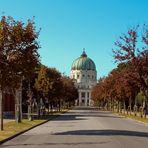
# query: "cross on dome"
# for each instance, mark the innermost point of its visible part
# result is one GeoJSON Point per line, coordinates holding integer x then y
{"type": "Point", "coordinates": [83, 53]}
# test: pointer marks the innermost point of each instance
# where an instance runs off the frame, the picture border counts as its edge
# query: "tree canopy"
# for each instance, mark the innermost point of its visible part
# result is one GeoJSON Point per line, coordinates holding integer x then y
{"type": "Point", "coordinates": [130, 77]}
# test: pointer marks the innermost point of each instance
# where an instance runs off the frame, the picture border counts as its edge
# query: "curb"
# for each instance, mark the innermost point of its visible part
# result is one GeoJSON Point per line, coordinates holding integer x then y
{"type": "Point", "coordinates": [17, 134]}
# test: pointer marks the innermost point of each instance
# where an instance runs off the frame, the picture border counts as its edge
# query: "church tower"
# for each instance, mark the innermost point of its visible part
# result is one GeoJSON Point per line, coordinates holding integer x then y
{"type": "Point", "coordinates": [84, 74]}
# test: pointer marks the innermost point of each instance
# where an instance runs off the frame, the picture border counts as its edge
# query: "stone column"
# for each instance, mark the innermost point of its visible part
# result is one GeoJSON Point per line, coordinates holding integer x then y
{"type": "Point", "coordinates": [90, 101]}
{"type": "Point", "coordinates": [80, 98]}
{"type": "Point", "coordinates": [86, 98]}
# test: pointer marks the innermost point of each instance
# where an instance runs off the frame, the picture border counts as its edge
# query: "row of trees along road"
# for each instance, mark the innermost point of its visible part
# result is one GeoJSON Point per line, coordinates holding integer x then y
{"type": "Point", "coordinates": [54, 89]}
{"type": "Point", "coordinates": [46, 91]}
{"type": "Point", "coordinates": [21, 70]}
{"type": "Point", "coordinates": [126, 86]}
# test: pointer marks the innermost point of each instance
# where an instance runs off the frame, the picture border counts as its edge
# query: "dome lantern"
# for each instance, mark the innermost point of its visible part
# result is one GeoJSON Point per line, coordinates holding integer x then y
{"type": "Point", "coordinates": [84, 53]}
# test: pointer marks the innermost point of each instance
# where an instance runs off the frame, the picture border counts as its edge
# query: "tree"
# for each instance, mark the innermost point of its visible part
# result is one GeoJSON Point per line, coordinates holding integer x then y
{"type": "Point", "coordinates": [55, 89]}
{"type": "Point", "coordinates": [116, 89]}
{"type": "Point", "coordinates": [98, 94]}
{"type": "Point", "coordinates": [49, 85]}
{"type": "Point", "coordinates": [69, 92]}
{"type": "Point", "coordinates": [18, 49]}
{"type": "Point", "coordinates": [127, 51]}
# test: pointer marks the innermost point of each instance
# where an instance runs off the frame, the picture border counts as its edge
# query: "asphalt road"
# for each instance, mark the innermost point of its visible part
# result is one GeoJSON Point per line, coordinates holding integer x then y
{"type": "Point", "coordinates": [84, 128]}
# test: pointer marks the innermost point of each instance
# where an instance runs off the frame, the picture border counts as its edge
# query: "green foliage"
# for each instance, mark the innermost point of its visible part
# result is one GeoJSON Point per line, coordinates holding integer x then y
{"type": "Point", "coordinates": [54, 88]}
{"type": "Point", "coordinates": [18, 50]}
{"type": "Point", "coordinates": [131, 75]}
{"type": "Point", "coordinates": [140, 98]}
{"type": "Point", "coordinates": [18, 53]}
{"type": "Point", "coordinates": [69, 92]}
{"type": "Point", "coordinates": [48, 81]}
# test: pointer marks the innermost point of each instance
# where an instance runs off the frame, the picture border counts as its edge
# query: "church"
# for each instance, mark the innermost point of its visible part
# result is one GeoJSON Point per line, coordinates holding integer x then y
{"type": "Point", "coordinates": [84, 75]}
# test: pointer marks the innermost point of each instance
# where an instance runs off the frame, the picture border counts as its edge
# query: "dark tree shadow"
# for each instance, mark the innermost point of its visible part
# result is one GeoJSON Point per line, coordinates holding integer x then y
{"type": "Point", "coordinates": [105, 133]}
{"type": "Point", "coordinates": [71, 116]}
{"type": "Point", "coordinates": [85, 108]}
{"type": "Point", "coordinates": [58, 144]}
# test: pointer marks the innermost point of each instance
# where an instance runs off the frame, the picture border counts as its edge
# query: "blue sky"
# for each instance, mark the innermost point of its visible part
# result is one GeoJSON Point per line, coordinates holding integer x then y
{"type": "Point", "coordinates": [68, 26]}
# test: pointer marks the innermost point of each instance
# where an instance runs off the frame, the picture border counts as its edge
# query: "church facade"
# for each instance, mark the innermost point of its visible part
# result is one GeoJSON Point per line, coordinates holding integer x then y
{"type": "Point", "coordinates": [84, 74]}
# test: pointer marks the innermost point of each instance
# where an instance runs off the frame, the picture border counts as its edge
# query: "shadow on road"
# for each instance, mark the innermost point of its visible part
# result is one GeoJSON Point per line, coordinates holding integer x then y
{"type": "Point", "coordinates": [105, 133]}
{"type": "Point", "coordinates": [58, 144]}
{"type": "Point", "coordinates": [72, 117]}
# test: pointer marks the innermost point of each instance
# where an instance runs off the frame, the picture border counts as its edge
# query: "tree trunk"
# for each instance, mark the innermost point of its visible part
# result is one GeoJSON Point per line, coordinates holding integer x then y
{"type": "Point", "coordinates": [17, 107]}
{"type": "Point", "coordinates": [130, 105]}
{"type": "Point", "coordinates": [59, 102]}
{"type": "Point", "coordinates": [145, 103]}
{"type": "Point", "coordinates": [113, 105]}
{"type": "Point", "coordinates": [30, 117]}
{"type": "Point", "coordinates": [51, 107]}
{"type": "Point", "coordinates": [144, 108]}
{"type": "Point", "coordinates": [141, 111]}
{"type": "Point", "coordinates": [120, 108]}
{"type": "Point", "coordinates": [108, 105]}
{"type": "Point", "coordinates": [39, 106]}
{"type": "Point", "coordinates": [1, 109]}
{"type": "Point", "coordinates": [135, 107]}
{"type": "Point", "coordinates": [124, 106]}
{"type": "Point", "coordinates": [39, 110]}
{"type": "Point", "coordinates": [30, 113]}
{"type": "Point", "coordinates": [48, 108]}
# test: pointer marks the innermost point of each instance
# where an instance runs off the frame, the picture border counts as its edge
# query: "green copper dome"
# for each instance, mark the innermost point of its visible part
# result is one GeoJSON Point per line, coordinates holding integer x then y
{"type": "Point", "coordinates": [83, 63]}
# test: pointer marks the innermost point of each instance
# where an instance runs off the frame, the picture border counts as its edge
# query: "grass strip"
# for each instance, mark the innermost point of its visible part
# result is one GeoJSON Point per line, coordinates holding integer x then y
{"type": "Point", "coordinates": [11, 128]}
{"type": "Point", "coordinates": [137, 118]}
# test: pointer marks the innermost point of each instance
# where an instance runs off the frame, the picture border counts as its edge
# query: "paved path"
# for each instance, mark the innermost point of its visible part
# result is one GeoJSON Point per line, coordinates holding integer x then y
{"type": "Point", "coordinates": [84, 128]}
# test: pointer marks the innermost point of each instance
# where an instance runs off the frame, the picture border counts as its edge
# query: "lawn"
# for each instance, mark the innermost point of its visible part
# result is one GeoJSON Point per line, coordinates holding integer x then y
{"type": "Point", "coordinates": [11, 128]}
